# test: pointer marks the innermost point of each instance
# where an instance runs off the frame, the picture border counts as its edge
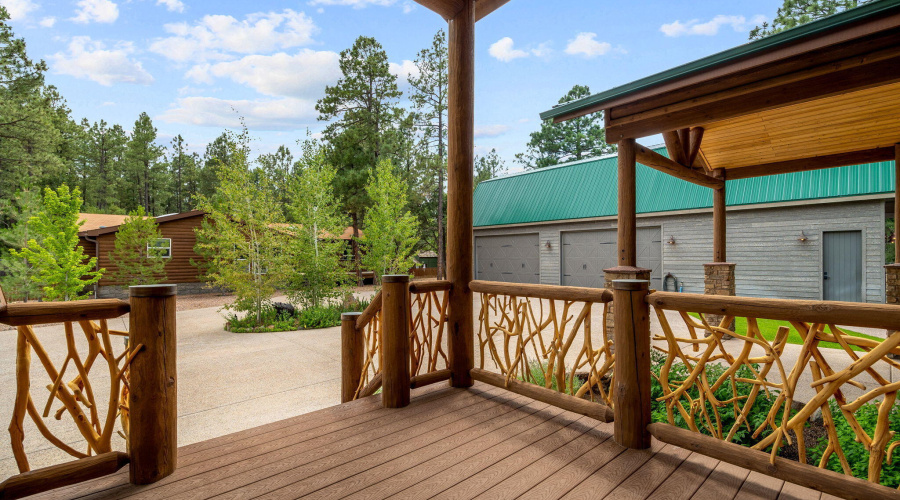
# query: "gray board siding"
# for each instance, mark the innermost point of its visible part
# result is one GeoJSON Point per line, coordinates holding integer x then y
{"type": "Point", "coordinates": [763, 243]}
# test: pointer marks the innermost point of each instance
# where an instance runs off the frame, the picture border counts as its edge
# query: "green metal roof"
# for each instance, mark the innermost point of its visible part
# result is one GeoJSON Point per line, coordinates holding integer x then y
{"type": "Point", "coordinates": [587, 188]}
{"type": "Point", "coordinates": [875, 8]}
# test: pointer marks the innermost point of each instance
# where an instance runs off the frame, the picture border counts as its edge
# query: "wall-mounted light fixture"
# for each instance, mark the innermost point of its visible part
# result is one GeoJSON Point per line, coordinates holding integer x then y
{"type": "Point", "coordinates": [802, 238]}
{"type": "Point", "coordinates": [671, 240]}
{"type": "Point", "coordinates": [548, 245]}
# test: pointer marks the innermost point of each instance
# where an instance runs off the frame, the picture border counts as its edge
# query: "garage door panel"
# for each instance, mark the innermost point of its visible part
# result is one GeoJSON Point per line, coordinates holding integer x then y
{"type": "Point", "coordinates": [585, 254]}
{"type": "Point", "coordinates": [508, 258]}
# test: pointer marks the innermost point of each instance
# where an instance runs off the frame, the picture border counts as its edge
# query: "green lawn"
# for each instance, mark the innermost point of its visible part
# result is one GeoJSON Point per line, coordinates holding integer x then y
{"type": "Point", "coordinates": [769, 327]}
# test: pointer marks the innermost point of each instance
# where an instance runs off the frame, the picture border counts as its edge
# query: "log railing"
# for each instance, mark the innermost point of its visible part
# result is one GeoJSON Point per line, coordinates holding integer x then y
{"type": "Point", "coordinates": [420, 310]}
{"type": "Point", "coordinates": [709, 380]}
{"type": "Point", "coordinates": [72, 397]}
{"type": "Point", "coordinates": [547, 342]}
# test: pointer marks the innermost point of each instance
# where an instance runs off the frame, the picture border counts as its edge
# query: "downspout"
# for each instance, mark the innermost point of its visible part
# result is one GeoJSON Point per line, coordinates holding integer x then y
{"type": "Point", "coordinates": [96, 264]}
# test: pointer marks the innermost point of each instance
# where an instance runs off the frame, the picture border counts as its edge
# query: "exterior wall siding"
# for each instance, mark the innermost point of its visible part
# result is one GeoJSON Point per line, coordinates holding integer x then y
{"type": "Point", "coordinates": [763, 243]}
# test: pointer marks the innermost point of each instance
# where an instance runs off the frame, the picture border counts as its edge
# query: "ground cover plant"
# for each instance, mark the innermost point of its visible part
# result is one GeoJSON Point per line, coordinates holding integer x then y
{"type": "Point", "coordinates": [310, 318]}
{"type": "Point", "coordinates": [769, 328]}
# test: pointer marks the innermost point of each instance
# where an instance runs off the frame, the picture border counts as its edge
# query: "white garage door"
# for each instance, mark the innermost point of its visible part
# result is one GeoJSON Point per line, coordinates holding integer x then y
{"type": "Point", "coordinates": [509, 258]}
{"type": "Point", "coordinates": [585, 254]}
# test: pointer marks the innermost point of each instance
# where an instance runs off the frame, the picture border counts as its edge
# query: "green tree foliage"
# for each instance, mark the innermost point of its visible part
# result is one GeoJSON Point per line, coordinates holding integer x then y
{"type": "Point", "coordinates": [16, 272]}
{"type": "Point", "coordinates": [793, 13]}
{"type": "Point", "coordinates": [102, 156]}
{"type": "Point", "coordinates": [61, 267]}
{"type": "Point", "coordinates": [279, 168]}
{"type": "Point", "coordinates": [391, 230]}
{"type": "Point", "coordinates": [488, 167]}
{"type": "Point", "coordinates": [571, 140]}
{"type": "Point", "coordinates": [183, 170]}
{"type": "Point", "coordinates": [137, 257]}
{"type": "Point", "coordinates": [317, 274]}
{"type": "Point", "coordinates": [429, 96]}
{"type": "Point", "coordinates": [146, 175]}
{"type": "Point", "coordinates": [243, 240]}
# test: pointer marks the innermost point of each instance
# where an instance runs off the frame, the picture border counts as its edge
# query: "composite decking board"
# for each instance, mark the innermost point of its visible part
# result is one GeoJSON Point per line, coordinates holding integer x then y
{"type": "Point", "coordinates": [645, 480]}
{"type": "Point", "coordinates": [792, 491]}
{"type": "Point", "coordinates": [244, 479]}
{"type": "Point", "coordinates": [541, 452]}
{"type": "Point", "coordinates": [573, 474]}
{"type": "Point", "coordinates": [512, 440]}
{"type": "Point", "coordinates": [518, 483]}
{"type": "Point", "coordinates": [759, 486]}
{"type": "Point", "coordinates": [323, 482]}
{"type": "Point", "coordinates": [395, 475]}
{"type": "Point", "coordinates": [686, 479]}
{"type": "Point", "coordinates": [612, 473]}
{"type": "Point", "coordinates": [357, 438]}
{"type": "Point", "coordinates": [723, 482]}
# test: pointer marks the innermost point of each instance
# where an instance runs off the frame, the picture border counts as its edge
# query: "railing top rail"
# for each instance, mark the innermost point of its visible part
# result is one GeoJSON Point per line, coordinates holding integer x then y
{"type": "Point", "coordinates": [571, 293]}
{"type": "Point", "coordinates": [429, 286]}
{"type": "Point", "coordinates": [370, 311]}
{"type": "Point", "coordinates": [809, 311]}
{"type": "Point", "coordinates": [41, 313]}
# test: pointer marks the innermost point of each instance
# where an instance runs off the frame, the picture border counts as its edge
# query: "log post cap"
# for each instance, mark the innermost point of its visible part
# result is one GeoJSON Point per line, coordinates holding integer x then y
{"type": "Point", "coordinates": [395, 278]}
{"type": "Point", "coordinates": [152, 290]}
{"type": "Point", "coordinates": [350, 316]}
{"type": "Point", "coordinates": [631, 285]}
{"type": "Point", "coordinates": [892, 266]}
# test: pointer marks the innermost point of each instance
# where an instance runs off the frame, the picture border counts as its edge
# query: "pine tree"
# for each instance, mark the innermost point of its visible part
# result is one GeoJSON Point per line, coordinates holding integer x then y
{"type": "Point", "coordinates": [16, 272]}
{"type": "Point", "coordinates": [279, 168]}
{"type": "Point", "coordinates": [391, 230]}
{"type": "Point", "coordinates": [488, 166]}
{"type": "Point", "coordinates": [59, 262]}
{"type": "Point", "coordinates": [793, 13]}
{"type": "Point", "coordinates": [571, 140]}
{"type": "Point", "coordinates": [103, 154]}
{"type": "Point", "coordinates": [146, 174]}
{"type": "Point", "coordinates": [137, 259]}
{"type": "Point", "coordinates": [183, 171]}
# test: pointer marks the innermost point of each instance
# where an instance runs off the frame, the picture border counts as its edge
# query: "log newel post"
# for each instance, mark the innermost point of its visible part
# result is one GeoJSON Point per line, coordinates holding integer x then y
{"type": "Point", "coordinates": [460, 163]}
{"type": "Point", "coordinates": [719, 223]}
{"type": "Point", "coordinates": [631, 393]}
{"type": "Point", "coordinates": [352, 354]}
{"type": "Point", "coordinates": [627, 218]}
{"type": "Point", "coordinates": [153, 396]}
{"type": "Point", "coordinates": [395, 341]}
{"type": "Point", "coordinates": [896, 202]}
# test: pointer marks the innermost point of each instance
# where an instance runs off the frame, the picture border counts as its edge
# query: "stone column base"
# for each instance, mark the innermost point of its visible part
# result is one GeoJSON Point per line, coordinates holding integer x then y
{"type": "Point", "coordinates": [718, 278]}
{"type": "Point", "coordinates": [620, 273]}
{"type": "Point", "coordinates": [892, 289]}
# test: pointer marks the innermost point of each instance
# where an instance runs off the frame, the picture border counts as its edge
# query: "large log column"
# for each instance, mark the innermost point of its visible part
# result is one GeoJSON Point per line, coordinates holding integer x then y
{"type": "Point", "coordinates": [460, 162]}
{"type": "Point", "coordinates": [626, 235]}
{"type": "Point", "coordinates": [892, 271]}
{"type": "Point", "coordinates": [719, 274]}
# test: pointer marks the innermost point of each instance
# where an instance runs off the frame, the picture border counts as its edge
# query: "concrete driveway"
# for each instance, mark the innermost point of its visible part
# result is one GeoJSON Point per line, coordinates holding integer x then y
{"type": "Point", "coordinates": [227, 382]}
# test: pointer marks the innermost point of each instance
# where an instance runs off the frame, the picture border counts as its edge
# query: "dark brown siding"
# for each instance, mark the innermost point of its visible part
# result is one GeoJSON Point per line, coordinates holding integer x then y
{"type": "Point", "coordinates": [178, 268]}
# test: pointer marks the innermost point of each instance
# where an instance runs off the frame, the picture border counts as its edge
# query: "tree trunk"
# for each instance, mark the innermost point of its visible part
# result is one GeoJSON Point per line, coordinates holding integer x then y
{"type": "Point", "coordinates": [354, 244]}
{"type": "Point", "coordinates": [440, 206]}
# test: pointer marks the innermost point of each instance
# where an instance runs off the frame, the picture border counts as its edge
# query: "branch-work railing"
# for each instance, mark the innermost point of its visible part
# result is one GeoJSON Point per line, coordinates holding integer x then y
{"type": "Point", "coordinates": [740, 380]}
{"type": "Point", "coordinates": [373, 351]}
{"type": "Point", "coordinates": [138, 385]}
{"type": "Point", "coordinates": [547, 342]}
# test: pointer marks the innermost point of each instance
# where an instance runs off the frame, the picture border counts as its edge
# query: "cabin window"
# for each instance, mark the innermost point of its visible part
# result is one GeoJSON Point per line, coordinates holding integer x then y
{"type": "Point", "coordinates": [160, 248]}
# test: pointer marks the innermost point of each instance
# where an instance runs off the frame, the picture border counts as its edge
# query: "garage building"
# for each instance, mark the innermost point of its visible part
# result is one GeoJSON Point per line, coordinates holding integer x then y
{"type": "Point", "coordinates": [805, 235]}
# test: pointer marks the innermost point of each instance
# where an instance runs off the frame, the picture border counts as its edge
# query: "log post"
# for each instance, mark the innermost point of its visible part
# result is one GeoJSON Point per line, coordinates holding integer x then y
{"type": "Point", "coordinates": [460, 162]}
{"type": "Point", "coordinates": [719, 225]}
{"type": "Point", "coordinates": [631, 393]}
{"type": "Point", "coordinates": [395, 341]}
{"type": "Point", "coordinates": [352, 349]}
{"type": "Point", "coordinates": [153, 396]}
{"type": "Point", "coordinates": [627, 218]}
{"type": "Point", "coordinates": [718, 276]}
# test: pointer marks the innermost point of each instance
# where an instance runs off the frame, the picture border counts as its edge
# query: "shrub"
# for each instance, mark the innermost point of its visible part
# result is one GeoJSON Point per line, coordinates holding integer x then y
{"type": "Point", "coordinates": [307, 319]}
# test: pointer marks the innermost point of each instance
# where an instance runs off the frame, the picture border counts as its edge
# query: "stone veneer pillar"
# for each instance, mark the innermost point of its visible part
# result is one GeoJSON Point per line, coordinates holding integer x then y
{"type": "Point", "coordinates": [620, 273]}
{"type": "Point", "coordinates": [718, 279]}
{"type": "Point", "coordinates": [892, 289]}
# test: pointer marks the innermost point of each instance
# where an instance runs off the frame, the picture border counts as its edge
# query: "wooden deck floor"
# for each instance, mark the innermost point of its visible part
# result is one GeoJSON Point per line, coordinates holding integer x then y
{"type": "Point", "coordinates": [449, 443]}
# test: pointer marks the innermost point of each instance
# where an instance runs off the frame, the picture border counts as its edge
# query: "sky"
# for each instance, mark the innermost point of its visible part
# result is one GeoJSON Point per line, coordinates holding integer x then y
{"type": "Point", "coordinates": [195, 66]}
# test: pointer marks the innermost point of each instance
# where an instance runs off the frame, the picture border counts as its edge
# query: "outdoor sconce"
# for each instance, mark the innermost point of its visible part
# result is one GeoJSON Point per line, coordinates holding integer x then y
{"type": "Point", "coordinates": [671, 240]}
{"type": "Point", "coordinates": [548, 245]}
{"type": "Point", "coordinates": [802, 238]}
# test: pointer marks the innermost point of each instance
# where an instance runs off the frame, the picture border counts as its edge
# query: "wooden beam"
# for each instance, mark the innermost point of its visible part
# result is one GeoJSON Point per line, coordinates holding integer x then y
{"type": "Point", "coordinates": [580, 406]}
{"type": "Point", "coordinates": [484, 7]}
{"type": "Point", "coordinates": [460, 164]}
{"type": "Point", "coordinates": [65, 474]}
{"type": "Point", "coordinates": [685, 136]}
{"type": "Point", "coordinates": [429, 378]}
{"type": "Point", "coordinates": [896, 202]}
{"type": "Point", "coordinates": [719, 223]}
{"type": "Point", "coordinates": [445, 8]}
{"type": "Point", "coordinates": [552, 292]}
{"type": "Point", "coordinates": [39, 313]}
{"type": "Point", "coordinates": [814, 163]}
{"type": "Point", "coordinates": [656, 161]}
{"type": "Point", "coordinates": [806, 475]}
{"type": "Point", "coordinates": [674, 146]}
{"type": "Point", "coordinates": [695, 137]}
{"type": "Point", "coordinates": [626, 234]}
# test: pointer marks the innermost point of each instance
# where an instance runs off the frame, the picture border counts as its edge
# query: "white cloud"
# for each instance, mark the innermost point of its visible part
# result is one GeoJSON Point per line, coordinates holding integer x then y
{"type": "Point", "coordinates": [503, 50]}
{"type": "Point", "coordinates": [18, 9]}
{"type": "Point", "coordinates": [585, 44]}
{"type": "Point", "coordinates": [711, 27]}
{"type": "Point", "coordinates": [542, 50]}
{"type": "Point", "coordinates": [215, 36]}
{"type": "Point", "coordinates": [48, 22]}
{"type": "Point", "coordinates": [356, 4]}
{"type": "Point", "coordinates": [404, 70]}
{"type": "Point", "coordinates": [98, 11]}
{"type": "Point", "coordinates": [490, 130]}
{"type": "Point", "coordinates": [277, 114]}
{"type": "Point", "coordinates": [304, 74]}
{"type": "Point", "coordinates": [91, 60]}
{"type": "Point", "coordinates": [172, 5]}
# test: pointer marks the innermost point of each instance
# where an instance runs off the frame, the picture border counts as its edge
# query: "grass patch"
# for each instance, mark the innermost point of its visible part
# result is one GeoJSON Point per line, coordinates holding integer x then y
{"type": "Point", "coordinates": [769, 328]}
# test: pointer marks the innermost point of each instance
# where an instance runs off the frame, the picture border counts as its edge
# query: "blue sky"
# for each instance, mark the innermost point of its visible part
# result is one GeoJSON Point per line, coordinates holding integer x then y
{"type": "Point", "coordinates": [187, 63]}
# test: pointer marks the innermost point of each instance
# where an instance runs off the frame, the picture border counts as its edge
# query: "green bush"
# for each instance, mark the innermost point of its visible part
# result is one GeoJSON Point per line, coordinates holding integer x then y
{"type": "Point", "coordinates": [536, 376]}
{"type": "Point", "coordinates": [306, 319]}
